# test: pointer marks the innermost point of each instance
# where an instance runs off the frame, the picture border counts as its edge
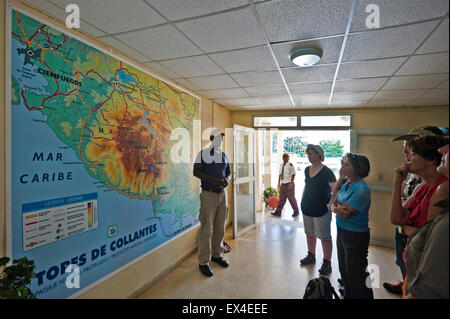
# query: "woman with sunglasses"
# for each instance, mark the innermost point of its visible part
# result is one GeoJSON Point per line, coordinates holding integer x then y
{"type": "Point", "coordinates": [351, 206]}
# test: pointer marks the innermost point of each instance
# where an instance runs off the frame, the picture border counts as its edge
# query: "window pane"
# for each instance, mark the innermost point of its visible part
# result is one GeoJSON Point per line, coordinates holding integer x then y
{"type": "Point", "coordinates": [321, 121]}
{"type": "Point", "coordinates": [275, 121]}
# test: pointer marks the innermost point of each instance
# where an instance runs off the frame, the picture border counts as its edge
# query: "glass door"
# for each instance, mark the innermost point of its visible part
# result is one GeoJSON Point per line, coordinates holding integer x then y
{"type": "Point", "coordinates": [244, 217]}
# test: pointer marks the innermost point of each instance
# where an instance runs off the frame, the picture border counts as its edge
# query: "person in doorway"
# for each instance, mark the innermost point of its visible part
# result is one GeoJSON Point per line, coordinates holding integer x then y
{"type": "Point", "coordinates": [286, 187]}
{"type": "Point", "coordinates": [351, 206]}
{"type": "Point", "coordinates": [316, 212]}
{"type": "Point", "coordinates": [408, 187]}
{"type": "Point", "coordinates": [212, 167]}
{"type": "Point", "coordinates": [427, 251]}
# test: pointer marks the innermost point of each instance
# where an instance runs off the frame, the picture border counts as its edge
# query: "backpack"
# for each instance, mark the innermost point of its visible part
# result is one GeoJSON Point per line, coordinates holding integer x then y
{"type": "Point", "coordinates": [320, 288]}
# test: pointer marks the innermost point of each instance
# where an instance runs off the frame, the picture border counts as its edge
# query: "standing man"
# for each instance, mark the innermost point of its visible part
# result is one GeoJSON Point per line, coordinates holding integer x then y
{"type": "Point", "coordinates": [286, 187]}
{"type": "Point", "coordinates": [213, 169]}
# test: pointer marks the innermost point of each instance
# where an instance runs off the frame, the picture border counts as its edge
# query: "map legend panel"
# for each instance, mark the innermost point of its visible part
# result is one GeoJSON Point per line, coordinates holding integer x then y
{"type": "Point", "coordinates": [52, 220]}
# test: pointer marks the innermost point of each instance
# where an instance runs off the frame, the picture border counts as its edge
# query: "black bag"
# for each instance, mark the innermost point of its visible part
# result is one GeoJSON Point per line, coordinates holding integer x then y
{"type": "Point", "coordinates": [320, 288]}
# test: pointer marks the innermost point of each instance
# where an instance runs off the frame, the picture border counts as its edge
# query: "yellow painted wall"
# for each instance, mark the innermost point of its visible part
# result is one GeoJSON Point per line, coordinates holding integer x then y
{"type": "Point", "coordinates": [383, 154]}
{"type": "Point", "coordinates": [131, 280]}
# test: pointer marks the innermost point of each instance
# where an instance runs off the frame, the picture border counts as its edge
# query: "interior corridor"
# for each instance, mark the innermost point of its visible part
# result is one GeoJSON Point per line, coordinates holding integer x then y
{"type": "Point", "coordinates": [264, 263]}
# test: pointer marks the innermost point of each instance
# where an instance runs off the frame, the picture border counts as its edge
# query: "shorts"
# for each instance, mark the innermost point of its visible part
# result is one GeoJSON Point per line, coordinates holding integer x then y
{"type": "Point", "coordinates": [318, 226]}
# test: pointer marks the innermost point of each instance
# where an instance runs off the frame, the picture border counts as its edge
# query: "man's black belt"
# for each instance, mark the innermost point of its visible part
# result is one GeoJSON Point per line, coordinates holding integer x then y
{"type": "Point", "coordinates": [214, 191]}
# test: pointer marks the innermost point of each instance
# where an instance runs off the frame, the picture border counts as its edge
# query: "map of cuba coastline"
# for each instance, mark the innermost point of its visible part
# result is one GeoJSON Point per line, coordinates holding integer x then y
{"type": "Point", "coordinates": [116, 118]}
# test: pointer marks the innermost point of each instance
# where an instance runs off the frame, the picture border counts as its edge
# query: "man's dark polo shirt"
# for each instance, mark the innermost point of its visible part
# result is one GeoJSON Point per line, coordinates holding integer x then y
{"type": "Point", "coordinates": [212, 164]}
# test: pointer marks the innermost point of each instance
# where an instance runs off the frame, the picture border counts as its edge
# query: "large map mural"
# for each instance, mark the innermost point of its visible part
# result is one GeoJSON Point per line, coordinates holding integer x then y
{"type": "Point", "coordinates": [91, 178]}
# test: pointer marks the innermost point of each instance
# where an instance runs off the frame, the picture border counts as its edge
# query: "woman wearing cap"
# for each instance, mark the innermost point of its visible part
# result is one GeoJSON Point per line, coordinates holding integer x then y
{"type": "Point", "coordinates": [316, 214]}
{"type": "Point", "coordinates": [351, 206]}
{"type": "Point", "coordinates": [427, 251]}
{"type": "Point", "coordinates": [414, 213]}
{"type": "Point", "coordinates": [408, 186]}
{"type": "Point", "coordinates": [424, 159]}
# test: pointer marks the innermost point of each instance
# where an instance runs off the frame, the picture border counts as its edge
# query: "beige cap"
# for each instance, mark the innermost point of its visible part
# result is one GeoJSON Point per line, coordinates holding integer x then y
{"type": "Point", "coordinates": [420, 131]}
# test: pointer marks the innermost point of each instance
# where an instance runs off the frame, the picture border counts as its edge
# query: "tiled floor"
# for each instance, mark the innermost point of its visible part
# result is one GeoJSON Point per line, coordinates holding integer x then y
{"type": "Point", "coordinates": [264, 263]}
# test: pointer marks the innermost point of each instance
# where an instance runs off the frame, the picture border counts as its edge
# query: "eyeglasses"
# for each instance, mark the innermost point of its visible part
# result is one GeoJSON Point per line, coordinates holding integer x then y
{"type": "Point", "coordinates": [354, 159]}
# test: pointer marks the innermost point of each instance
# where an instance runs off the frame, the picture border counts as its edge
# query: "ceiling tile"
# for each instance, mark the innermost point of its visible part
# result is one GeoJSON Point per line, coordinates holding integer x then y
{"type": "Point", "coordinates": [373, 84]}
{"type": "Point", "coordinates": [414, 82]}
{"type": "Point", "coordinates": [310, 74]}
{"type": "Point", "coordinates": [438, 41]}
{"type": "Point", "coordinates": [228, 93]}
{"type": "Point", "coordinates": [385, 43]}
{"type": "Point", "coordinates": [183, 9]}
{"type": "Point", "coordinates": [436, 94]}
{"type": "Point", "coordinates": [188, 84]}
{"type": "Point", "coordinates": [282, 100]}
{"type": "Point", "coordinates": [214, 82]}
{"type": "Point", "coordinates": [398, 12]}
{"type": "Point", "coordinates": [193, 66]}
{"type": "Point", "coordinates": [266, 90]}
{"type": "Point", "coordinates": [366, 69]}
{"type": "Point", "coordinates": [298, 19]}
{"type": "Point", "coordinates": [306, 88]}
{"type": "Point", "coordinates": [114, 16]}
{"type": "Point", "coordinates": [352, 96]}
{"type": "Point", "coordinates": [347, 104]}
{"type": "Point", "coordinates": [311, 100]}
{"type": "Point", "coordinates": [44, 5]}
{"type": "Point", "coordinates": [245, 60]}
{"type": "Point", "coordinates": [124, 49]}
{"type": "Point", "coordinates": [90, 29]}
{"type": "Point", "coordinates": [395, 103]}
{"type": "Point", "coordinates": [59, 12]}
{"type": "Point", "coordinates": [205, 94]}
{"type": "Point", "coordinates": [418, 102]}
{"type": "Point", "coordinates": [225, 31]}
{"type": "Point", "coordinates": [164, 42]}
{"type": "Point", "coordinates": [398, 95]}
{"type": "Point", "coordinates": [444, 85]}
{"type": "Point", "coordinates": [257, 78]}
{"type": "Point", "coordinates": [330, 47]}
{"type": "Point", "coordinates": [239, 102]}
{"type": "Point", "coordinates": [163, 70]}
{"type": "Point", "coordinates": [425, 64]}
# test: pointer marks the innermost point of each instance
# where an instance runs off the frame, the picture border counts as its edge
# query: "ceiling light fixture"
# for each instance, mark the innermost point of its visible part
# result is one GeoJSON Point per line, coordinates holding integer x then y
{"type": "Point", "coordinates": [306, 56]}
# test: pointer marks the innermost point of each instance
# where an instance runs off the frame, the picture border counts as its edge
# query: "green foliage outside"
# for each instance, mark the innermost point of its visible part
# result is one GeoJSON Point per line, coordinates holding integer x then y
{"type": "Point", "coordinates": [295, 145]}
{"type": "Point", "coordinates": [15, 278]}
{"type": "Point", "coordinates": [332, 148]}
{"type": "Point", "coordinates": [270, 191]}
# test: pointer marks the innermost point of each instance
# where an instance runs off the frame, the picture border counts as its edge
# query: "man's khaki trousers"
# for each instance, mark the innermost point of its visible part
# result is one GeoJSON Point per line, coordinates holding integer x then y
{"type": "Point", "coordinates": [213, 215]}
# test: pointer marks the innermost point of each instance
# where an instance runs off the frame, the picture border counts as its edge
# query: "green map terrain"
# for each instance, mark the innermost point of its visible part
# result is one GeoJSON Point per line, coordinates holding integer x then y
{"type": "Point", "coordinates": [115, 117]}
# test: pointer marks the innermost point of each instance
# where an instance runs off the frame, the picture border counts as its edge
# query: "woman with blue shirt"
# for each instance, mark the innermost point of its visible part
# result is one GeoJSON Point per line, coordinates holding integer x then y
{"type": "Point", "coordinates": [351, 206]}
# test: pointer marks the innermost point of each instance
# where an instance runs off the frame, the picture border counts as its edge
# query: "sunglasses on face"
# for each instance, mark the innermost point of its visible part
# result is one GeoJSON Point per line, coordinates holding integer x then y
{"type": "Point", "coordinates": [353, 159]}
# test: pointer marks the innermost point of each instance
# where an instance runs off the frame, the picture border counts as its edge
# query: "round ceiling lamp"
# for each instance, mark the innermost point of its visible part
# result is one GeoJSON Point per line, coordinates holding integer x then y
{"type": "Point", "coordinates": [306, 56]}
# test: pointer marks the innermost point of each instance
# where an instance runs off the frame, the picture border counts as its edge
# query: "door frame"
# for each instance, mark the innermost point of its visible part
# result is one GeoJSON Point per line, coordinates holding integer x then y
{"type": "Point", "coordinates": [242, 180]}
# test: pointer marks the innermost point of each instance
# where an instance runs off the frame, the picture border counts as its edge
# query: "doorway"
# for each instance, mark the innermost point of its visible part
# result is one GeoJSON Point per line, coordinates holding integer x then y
{"type": "Point", "coordinates": [335, 143]}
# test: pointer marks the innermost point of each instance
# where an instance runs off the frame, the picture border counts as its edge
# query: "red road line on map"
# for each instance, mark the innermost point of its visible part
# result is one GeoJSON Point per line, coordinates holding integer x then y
{"type": "Point", "coordinates": [104, 101]}
{"type": "Point", "coordinates": [20, 39]}
{"type": "Point", "coordinates": [59, 93]}
{"type": "Point", "coordinates": [98, 75]}
{"type": "Point", "coordinates": [89, 130]}
{"type": "Point", "coordinates": [37, 31]}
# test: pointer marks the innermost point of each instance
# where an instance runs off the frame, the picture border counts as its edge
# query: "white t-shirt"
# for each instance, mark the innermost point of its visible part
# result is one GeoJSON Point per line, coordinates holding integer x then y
{"type": "Point", "coordinates": [289, 170]}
